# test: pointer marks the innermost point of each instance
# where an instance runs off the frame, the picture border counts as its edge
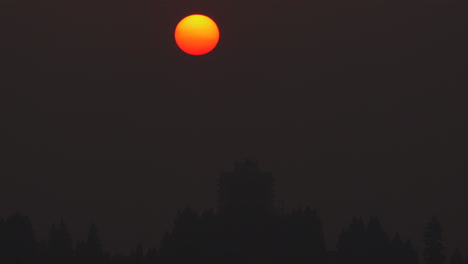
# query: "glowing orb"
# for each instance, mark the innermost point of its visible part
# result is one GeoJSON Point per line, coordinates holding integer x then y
{"type": "Point", "coordinates": [197, 34]}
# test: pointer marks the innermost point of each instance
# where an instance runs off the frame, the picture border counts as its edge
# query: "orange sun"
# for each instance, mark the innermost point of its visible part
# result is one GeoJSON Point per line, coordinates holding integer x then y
{"type": "Point", "coordinates": [197, 34]}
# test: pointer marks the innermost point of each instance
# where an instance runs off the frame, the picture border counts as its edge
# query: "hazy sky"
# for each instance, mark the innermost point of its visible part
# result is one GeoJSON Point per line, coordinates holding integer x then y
{"type": "Point", "coordinates": [357, 108]}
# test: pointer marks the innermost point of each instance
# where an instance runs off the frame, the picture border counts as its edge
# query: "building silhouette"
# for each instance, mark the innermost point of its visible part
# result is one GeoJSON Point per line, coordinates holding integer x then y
{"type": "Point", "coordinates": [246, 188]}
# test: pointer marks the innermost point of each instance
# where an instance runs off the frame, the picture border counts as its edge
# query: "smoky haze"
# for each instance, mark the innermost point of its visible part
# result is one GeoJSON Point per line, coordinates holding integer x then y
{"type": "Point", "coordinates": [356, 107]}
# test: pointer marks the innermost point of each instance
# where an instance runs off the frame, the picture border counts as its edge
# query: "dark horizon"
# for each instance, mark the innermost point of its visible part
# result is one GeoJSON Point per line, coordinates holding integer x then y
{"type": "Point", "coordinates": [248, 225]}
{"type": "Point", "coordinates": [277, 205]}
{"type": "Point", "coordinates": [358, 108]}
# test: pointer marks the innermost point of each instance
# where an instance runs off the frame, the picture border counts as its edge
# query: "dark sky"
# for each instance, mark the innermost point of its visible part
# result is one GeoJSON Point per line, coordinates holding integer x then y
{"type": "Point", "coordinates": [357, 108]}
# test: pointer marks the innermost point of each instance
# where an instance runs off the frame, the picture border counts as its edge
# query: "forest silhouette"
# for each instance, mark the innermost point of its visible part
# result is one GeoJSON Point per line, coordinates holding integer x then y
{"type": "Point", "coordinates": [98, 106]}
{"type": "Point", "coordinates": [246, 228]}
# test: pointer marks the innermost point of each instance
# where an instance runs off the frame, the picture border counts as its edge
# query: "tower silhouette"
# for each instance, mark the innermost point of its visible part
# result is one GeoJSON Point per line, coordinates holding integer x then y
{"type": "Point", "coordinates": [246, 188]}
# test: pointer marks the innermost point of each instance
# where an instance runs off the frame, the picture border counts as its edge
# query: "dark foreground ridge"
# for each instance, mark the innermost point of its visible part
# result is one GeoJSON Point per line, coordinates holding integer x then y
{"type": "Point", "coordinates": [246, 228]}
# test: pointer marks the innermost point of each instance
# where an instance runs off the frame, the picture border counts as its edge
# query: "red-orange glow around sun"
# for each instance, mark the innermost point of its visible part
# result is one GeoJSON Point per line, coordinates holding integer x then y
{"type": "Point", "coordinates": [197, 34]}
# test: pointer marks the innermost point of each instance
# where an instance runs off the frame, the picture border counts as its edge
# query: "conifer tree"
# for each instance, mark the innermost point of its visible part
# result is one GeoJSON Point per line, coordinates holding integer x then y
{"type": "Point", "coordinates": [92, 248]}
{"type": "Point", "coordinates": [433, 245]}
{"type": "Point", "coordinates": [60, 244]}
{"type": "Point", "coordinates": [396, 250]}
{"type": "Point", "coordinates": [139, 254]}
{"type": "Point", "coordinates": [19, 239]}
{"type": "Point", "coordinates": [410, 254]}
{"type": "Point", "coordinates": [456, 257]}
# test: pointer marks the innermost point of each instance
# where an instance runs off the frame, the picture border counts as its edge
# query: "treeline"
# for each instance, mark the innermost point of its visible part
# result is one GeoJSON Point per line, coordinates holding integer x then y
{"type": "Point", "coordinates": [230, 237]}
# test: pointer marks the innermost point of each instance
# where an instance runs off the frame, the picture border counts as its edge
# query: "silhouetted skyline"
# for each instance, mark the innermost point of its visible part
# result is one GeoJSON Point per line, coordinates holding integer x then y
{"type": "Point", "coordinates": [253, 232]}
{"type": "Point", "coordinates": [357, 108]}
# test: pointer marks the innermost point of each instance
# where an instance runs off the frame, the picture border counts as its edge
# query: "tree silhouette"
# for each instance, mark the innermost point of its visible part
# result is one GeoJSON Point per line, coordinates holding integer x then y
{"type": "Point", "coordinates": [42, 254]}
{"type": "Point", "coordinates": [456, 257]}
{"type": "Point", "coordinates": [18, 239]}
{"type": "Point", "coordinates": [351, 246]}
{"type": "Point", "coordinates": [60, 244]}
{"type": "Point", "coordinates": [396, 250]}
{"type": "Point", "coordinates": [185, 233]}
{"type": "Point", "coordinates": [151, 256]}
{"type": "Point", "coordinates": [377, 242]}
{"type": "Point", "coordinates": [410, 254]}
{"type": "Point", "coordinates": [138, 254]}
{"type": "Point", "coordinates": [93, 243]}
{"type": "Point", "coordinates": [229, 236]}
{"type": "Point", "coordinates": [303, 236]}
{"type": "Point", "coordinates": [361, 243]}
{"type": "Point", "coordinates": [91, 251]}
{"type": "Point", "coordinates": [80, 249]}
{"type": "Point", "coordinates": [433, 245]}
{"type": "Point", "coordinates": [166, 247]}
{"type": "Point", "coordinates": [3, 240]}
